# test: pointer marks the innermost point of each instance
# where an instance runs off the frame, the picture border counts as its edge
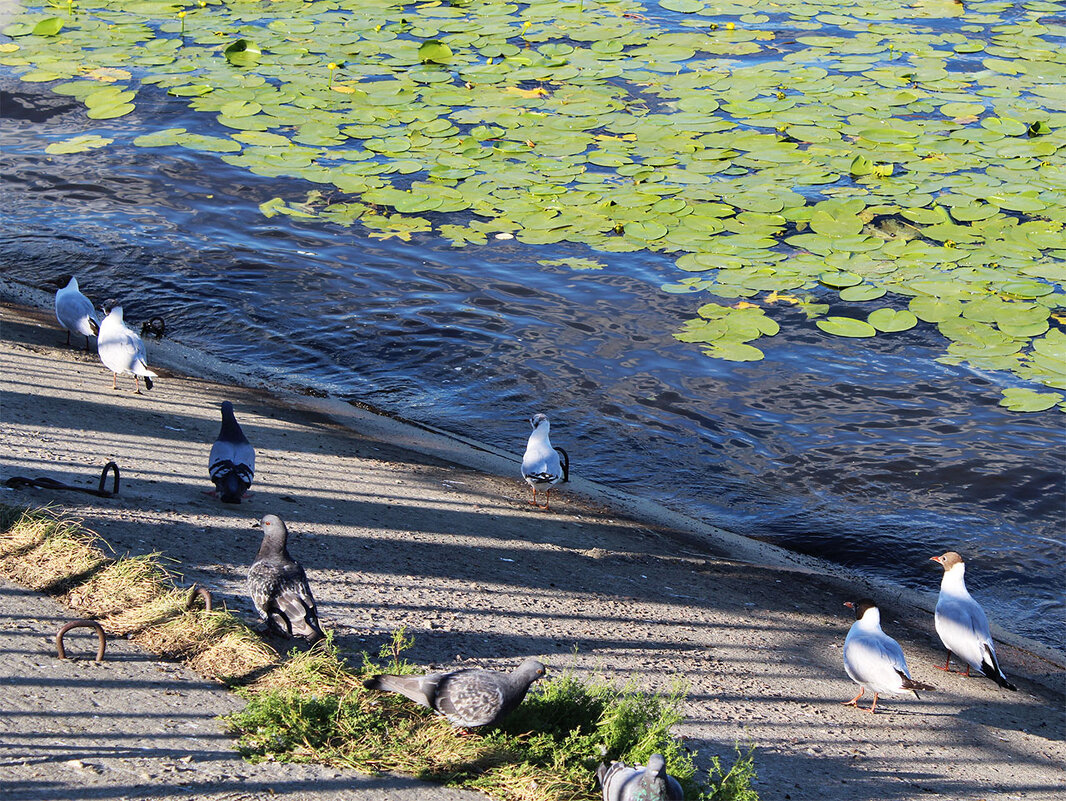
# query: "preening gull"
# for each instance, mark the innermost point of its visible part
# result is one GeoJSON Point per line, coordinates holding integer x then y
{"type": "Point", "coordinates": [874, 660]}
{"type": "Point", "coordinates": [122, 351]}
{"type": "Point", "coordinates": [75, 312]}
{"type": "Point", "coordinates": [543, 466]}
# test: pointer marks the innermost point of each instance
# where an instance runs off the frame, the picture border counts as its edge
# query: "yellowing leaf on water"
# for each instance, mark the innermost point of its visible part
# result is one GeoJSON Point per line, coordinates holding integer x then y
{"type": "Point", "coordinates": [108, 74]}
{"type": "Point", "coordinates": [775, 296]}
{"type": "Point", "coordinates": [540, 91]}
{"type": "Point", "coordinates": [743, 304]}
{"type": "Point", "coordinates": [8, 47]}
{"type": "Point", "coordinates": [965, 120]}
{"type": "Point", "coordinates": [344, 90]}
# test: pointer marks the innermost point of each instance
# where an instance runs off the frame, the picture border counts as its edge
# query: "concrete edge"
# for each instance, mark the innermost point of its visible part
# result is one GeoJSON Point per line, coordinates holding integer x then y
{"type": "Point", "coordinates": [470, 453]}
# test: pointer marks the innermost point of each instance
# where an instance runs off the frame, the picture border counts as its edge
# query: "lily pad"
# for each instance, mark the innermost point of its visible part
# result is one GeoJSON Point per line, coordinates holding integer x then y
{"type": "Point", "coordinates": [846, 327]}
{"type": "Point", "coordinates": [1027, 400]}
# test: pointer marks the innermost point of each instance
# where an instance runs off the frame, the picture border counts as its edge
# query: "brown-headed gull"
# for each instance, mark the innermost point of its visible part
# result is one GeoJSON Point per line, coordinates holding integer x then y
{"type": "Point", "coordinates": [543, 466]}
{"type": "Point", "coordinates": [874, 660]}
{"type": "Point", "coordinates": [122, 351]}
{"type": "Point", "coordinates": [75, 312]}
{"type": "Point", "coordinates": [962, 623]}
{"type": "Point", "coordinates": [279, 588]}
{"type": "Point", "coordinates": [232, 460]}
{"type": "Point", "coordinates": [468, 697]}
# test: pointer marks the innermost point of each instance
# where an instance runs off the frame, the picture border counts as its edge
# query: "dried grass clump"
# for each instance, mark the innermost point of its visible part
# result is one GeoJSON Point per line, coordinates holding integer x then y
{"type": "Point", "coordinates": [120, 587]}
{"type": "Point", "coordinates": [46, 553]}
{"type": "Point", "coordinates": [319, 670]}
{"type": "Point", "coordinates": [130, 595]}
{"type": "Point", "coordinates": [238, 657]}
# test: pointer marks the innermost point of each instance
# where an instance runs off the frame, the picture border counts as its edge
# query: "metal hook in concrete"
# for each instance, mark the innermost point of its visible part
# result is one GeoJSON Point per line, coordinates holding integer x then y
{"type": "Point", "coordinates": [202, 592]}
{"type": "Point", "coordinates": [85, 624]}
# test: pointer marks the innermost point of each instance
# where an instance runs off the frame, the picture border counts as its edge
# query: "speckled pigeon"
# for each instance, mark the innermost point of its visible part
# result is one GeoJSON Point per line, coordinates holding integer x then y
{"type": "Point", "coordinates": [620, 782]}
{"type": "Point", "coordinates": [468, 697]}
{"type": "Point", "coordinates": [279, 588]}
{"type": "Point", "coordinates": [232, 460]}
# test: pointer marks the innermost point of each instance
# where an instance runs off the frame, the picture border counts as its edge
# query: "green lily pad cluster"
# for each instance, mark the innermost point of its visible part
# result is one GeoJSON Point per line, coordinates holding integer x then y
{"type": "Point", "coordinates": [891, 163]}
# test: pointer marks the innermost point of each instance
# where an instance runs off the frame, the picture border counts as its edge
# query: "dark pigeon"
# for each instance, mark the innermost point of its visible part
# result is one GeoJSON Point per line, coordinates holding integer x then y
{"type": "Point", "coordinates": [469, 697]}
{"type": "Point", "coordinates": [620, 782]}
{"type": "Point", "coordinates": [279, 588]}
{"type": "Point", "coordinates": [232, 460]}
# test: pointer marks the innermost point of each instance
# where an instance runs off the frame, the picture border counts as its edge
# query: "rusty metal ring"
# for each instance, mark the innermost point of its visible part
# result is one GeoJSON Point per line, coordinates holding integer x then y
{"type": "Point", "coordinates": [103, 480]}
{"type": "Point", "coordinates": [202, 592]}
{"type": "Point", "coordinates": [86, 624]}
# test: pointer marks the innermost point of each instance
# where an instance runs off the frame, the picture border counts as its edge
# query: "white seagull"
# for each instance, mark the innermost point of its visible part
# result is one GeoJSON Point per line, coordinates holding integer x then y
{"type": "Point", "coordinates": [122, 351]}
{"type": "Point", "coordinates": [232, 460]}
{"type": "Point", "coordinates": [874, 660]}
{"type": "Point", "coordinates": [542, 465]}
{"type": "Point", "coordinates": [962, 623]}
{"type": "Point", "coordinates": [75, 312]}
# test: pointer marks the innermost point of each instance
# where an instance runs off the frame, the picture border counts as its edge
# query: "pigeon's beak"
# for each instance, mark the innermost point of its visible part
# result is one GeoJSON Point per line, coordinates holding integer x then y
{"type": "Point", "coordinates": [937, 559]}
{"type": "Point", "coordinates": [849, 604]}
{"type": "Point", "coordinates": [257, 524]}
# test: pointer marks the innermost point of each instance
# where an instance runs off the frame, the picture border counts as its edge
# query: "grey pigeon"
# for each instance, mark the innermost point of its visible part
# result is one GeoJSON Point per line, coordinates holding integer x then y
{"type": "Point", "coordinates": [75, 312]}
{"type": "Point", "coordinates": [543, 466]}
{"type": "Point", "coordinates": [874, 660]}
{"type": "Point", "coordinates": [278, 586]}
{"type": "Point", "coordinates": [620, 782]}
{"type": "Point", "coordinates": [468, 697]}
{"type": "Point", "coordinates": [962, 623]}
{"type": "Point", "coordinates": [122, 350]}
{"type": "Point", "coordinates": [232, 460]}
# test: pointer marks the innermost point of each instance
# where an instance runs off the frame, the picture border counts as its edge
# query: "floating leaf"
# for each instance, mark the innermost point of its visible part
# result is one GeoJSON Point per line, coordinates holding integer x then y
{"type": "Point", "coordinates": [1026, 400]}
{"type": "Point", "coordinates": [243, 53]}
{"type": "Point", "coordinates": [846, 327]}
{"type": "Point", "coordinates": [48, 27]}
{"type": "Point", "coordinates": [890, 320]}
{"type": "Point", "coordinates": [435, 51]}
{"type": "Point", "coordinates": [78, 144]}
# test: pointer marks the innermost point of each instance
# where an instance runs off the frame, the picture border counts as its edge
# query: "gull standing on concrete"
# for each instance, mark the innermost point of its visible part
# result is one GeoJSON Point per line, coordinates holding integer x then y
{"type": "Point", "coordinates": [279, 588]}
{"type": "Point", "coordinates": [467, 698]}
{"type": "Point", "coordinates": [620, 782]}
{"type": "Point", "coordinates": [962, 623]}
{"type": "Point", "coordinates": [232, 460]}
{"type": "Point", "coordinates": [874, 660]}
{"type": "Point", "coordinates": [543, 466]}
{"type": "Point", "coordinates": [75, 312]}
{"type": "Point", "coordinates": [122, 351]}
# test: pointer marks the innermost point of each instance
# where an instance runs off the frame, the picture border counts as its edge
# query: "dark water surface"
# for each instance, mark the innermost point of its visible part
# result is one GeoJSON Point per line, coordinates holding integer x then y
{"type": "Point", "coordinates": [865, 452]}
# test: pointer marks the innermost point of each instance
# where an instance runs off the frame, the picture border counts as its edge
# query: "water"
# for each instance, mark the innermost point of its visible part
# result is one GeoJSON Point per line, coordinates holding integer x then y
{"type": "Point", "coordinates": [868, 453]}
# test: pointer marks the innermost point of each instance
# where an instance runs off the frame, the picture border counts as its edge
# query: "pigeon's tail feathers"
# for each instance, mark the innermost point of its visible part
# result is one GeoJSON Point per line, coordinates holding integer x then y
{"type": "Point", "coordinates": [292, 616]}
{"type": "Point", "coordinates": [148, 382]}
{"type": "Point", "coordinates": [990, 667]}
{"type": "Point", "coordinates": [230, 487]}
{"type": "Point", "coordinates": [408, 686]}
{"type": "Point", "coordinates": [564, 459]}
